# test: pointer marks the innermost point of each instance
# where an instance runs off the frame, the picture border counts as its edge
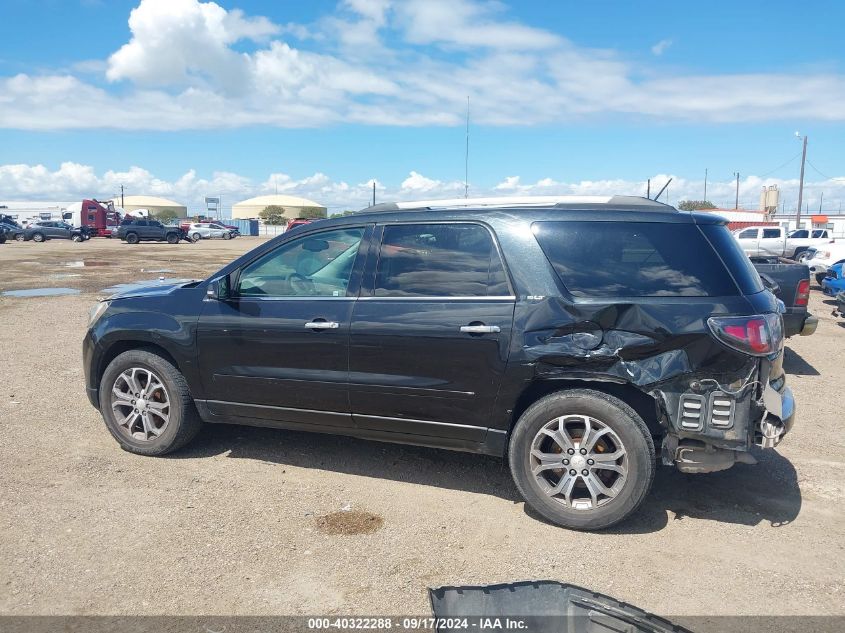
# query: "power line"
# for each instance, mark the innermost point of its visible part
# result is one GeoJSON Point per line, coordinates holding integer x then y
{"type": "Point", "coordinates": [817, 170]}
{"type": "Point", "coordinates": [768, 173]}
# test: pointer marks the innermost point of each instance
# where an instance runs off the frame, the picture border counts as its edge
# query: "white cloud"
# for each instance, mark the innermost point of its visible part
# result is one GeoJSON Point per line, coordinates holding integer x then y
{"type": "Point", "coordinates": [76, 181]}
{"type": "Point", "coordinates": [661, 47]}
{"type": "Point", "coordinates": [467, 23]}
{"type": "Point", "coordinates": [195, 65]}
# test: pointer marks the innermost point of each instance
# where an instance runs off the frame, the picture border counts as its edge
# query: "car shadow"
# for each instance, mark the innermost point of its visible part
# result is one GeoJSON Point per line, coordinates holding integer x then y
{"type": "Point", "coordinates": [745, 494]}
{"type": "Point", "coordinates": [794, 364]}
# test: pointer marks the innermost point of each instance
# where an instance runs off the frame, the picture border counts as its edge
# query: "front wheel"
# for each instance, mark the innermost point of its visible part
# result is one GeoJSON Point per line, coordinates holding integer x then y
{"type": "Point", "coordinates": [227, 236]}
{"type": "Point", "coordinates": [196, 237]}
{"type": "Point", "coordinates": [132, 238]}
{"type": "Point", "coordinates": [77, 238]}
{"type": "Point", "coordinates": [172, 238]}
{"type": "Point", "coordinates": [582, 459]}
{"type": "Point", "coordinates": [20, 237]}
{"type": "Point", "coordinates": [38, 237]}
{"type": "Point", "coordinates": [146, 404]}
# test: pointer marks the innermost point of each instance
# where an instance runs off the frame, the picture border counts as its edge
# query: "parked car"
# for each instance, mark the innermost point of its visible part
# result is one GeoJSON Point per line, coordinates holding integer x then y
{"type": "Point", "coordinates": [773, 240]}
{"type": "Point", "coordinates": [834, 280]}
{"type": "Point", "coordinates": [134, 230]}
{"type": "Point", "coordinates": [298, 222]}
{"type": "Point", "coordinates": [208, 230]}
{"type": "Point", "coordinates": [9, 231]}
{"type": "Point", "coordinates": [52, 230]}
{"type": "Point", "coordinates": [822, 258]}
{"type": "Point", "coordinates": [579, 339]}
{"type": "Point", "coordinates": [790, 282]}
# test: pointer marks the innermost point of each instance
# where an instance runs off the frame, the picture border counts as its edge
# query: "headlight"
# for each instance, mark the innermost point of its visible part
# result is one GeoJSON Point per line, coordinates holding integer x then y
{"type": "Point", "coordinates": [822, 255]}
{"type": "Point", "coordinates": [97, 311]}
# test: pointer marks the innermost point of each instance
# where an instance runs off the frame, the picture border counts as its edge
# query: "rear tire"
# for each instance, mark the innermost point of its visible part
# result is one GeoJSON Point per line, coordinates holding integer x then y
{"type": "Point", "coordinates": [132, 238]}
{"type": "Point", "coordinates": [38, 237]}
{"type": "Point", "coordinates": [183, 422]}
{"type": "Point", "coordinates": [585, 493]}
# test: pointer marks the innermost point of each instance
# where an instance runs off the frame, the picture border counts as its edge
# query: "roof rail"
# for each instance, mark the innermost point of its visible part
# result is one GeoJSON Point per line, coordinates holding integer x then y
{"type": "Point", "coordinates": [520, 201]}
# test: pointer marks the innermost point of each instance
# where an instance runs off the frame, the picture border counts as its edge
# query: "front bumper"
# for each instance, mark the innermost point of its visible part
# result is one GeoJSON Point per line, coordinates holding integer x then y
{"type": "Point", "coordinates": [831, 287]}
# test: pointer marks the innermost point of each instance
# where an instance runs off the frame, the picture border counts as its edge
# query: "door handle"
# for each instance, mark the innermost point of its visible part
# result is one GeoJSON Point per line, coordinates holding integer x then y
{"type": "Point", "coordinates": [322, 325]}
{"type": "Point", "coordinates": [480, 329]}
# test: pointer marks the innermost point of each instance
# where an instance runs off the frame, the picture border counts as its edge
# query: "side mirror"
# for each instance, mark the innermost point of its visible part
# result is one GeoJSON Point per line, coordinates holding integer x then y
{"type": "Point", "coordinates": [219, 289]}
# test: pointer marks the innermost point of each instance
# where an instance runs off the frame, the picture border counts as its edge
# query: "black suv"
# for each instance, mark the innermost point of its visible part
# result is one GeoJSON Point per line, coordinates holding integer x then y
{"type": "Point", "coordinates": [577, 339]}
{"type": "Point", "coordinates": [134, 231]}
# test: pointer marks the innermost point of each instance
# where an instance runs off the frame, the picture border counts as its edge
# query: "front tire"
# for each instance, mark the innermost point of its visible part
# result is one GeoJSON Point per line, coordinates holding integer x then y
{"type": "Point", "coordinates": [196, 237]}
{"type": "Point", "coordinates": [147, 405]}
{"type": "Point", "coordinates": [77, 238]}
{"type": "Point", "coordinates": [20, 237]}
{"type": "Point", "coordinates": [172, 238]}
{"type": "Point", "coordinates": [227, 236]}
{"type": "Point", "coordinates": [578, 483]}
{"type": "Point", "coordinates": [38, 237]}
{"type": "Point", "coordinates": [132, 238]}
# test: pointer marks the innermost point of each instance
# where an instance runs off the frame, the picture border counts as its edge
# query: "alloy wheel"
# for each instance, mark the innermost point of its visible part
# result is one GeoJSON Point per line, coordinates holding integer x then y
{"type": "Point", "coordinates": [140, 403]}
{"type": "Point", "coordinates": [579, 461]}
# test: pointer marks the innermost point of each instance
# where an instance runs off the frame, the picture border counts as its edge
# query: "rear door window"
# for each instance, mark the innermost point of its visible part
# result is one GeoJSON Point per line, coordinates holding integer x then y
{"type": "Point", "coordinates": [771, 233]}
{"type": "Point", "coordinates": [439, 260]}
{"type": "Point", "coordinates": [635, 259]}
{"type": "Point", "coordinates": [748, 234]}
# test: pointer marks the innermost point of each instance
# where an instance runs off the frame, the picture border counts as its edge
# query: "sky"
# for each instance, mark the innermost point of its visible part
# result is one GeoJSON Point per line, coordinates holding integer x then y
{"type": "Point", "coordinates": [186, 99]}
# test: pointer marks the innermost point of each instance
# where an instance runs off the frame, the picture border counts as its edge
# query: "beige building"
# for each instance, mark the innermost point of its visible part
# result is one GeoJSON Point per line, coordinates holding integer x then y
{"type": "Point", "coordinates": [152, 203]}
{"type": "Point", "coordinates": [292, 205]}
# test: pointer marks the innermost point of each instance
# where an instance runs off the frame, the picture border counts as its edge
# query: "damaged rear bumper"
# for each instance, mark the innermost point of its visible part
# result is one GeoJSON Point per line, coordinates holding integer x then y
{"type": "Point", "coordinates": [691, 454]}
{"type": "Point", "coordinates": [779, 417]}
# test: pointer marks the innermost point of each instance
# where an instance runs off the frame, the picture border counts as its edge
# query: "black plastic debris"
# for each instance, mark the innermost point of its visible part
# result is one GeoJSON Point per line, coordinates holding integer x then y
{"type": "Point", "coordinates": [543, 606]}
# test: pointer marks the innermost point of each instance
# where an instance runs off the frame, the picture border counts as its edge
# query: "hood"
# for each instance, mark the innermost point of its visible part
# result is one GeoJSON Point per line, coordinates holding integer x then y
{"type": "Point", "coordinates": [146, 288]}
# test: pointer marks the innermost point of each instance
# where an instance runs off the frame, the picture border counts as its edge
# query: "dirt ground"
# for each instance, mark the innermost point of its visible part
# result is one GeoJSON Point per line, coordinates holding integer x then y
{"type": "Point", "coordinates": [243, 521]}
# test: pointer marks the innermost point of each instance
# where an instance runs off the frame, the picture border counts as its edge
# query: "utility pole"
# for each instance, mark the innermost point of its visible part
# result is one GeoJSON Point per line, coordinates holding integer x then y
{"type": "Point", "coordinates": [820, 202]}
{"type": "Point", "coordinates": [121, 196]}
{"type": "Point", "coordinates": [374, 192]}
{"type": "Point", "coordinates": [801, 185]}
{"type": "Point", "coordinates": [736, 204]}
{"type": "Point", "coordinates": [648, 189]}
{"type": "Point", "coordinates": [705, 184]}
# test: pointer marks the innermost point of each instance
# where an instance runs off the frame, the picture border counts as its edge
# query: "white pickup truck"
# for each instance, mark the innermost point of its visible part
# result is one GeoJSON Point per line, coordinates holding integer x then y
{"type": "Point", "coordinates": [759, 241]}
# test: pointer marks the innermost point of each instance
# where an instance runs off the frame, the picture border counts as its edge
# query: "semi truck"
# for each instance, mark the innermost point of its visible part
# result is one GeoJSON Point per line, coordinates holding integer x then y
{"type": "Point", "coordinates": [101, 218]}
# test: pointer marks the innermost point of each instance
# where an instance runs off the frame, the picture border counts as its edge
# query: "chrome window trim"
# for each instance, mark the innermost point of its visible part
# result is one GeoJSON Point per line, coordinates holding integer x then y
{"type": "Point", "coordinates": [441, 298]}
{"type": "Point", "coordinates": [292, 298]}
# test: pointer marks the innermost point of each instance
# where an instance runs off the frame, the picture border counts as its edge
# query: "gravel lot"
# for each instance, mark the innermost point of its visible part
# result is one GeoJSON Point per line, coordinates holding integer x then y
{"type": "Point", "coordinates": [241, 522]}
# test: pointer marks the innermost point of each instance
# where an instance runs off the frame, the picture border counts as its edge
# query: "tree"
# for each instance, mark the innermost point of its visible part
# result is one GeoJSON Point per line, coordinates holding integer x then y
{"type": "Point", "coordinates": [312, 212]}
{"type": "Point", "coordinates": [273, 214]}
{"type": "Point", "coordinates": [695, 205]}
{"type": "Point", "coordinates": [166, 216]}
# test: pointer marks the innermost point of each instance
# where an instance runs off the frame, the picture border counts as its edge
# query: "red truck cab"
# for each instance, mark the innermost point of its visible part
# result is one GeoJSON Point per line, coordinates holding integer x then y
{"type": "Point", "coordinates": [101, 218]}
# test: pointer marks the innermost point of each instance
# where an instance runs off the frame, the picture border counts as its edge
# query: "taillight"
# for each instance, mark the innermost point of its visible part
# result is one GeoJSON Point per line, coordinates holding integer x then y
{"type": "Point", "coordinates": [802, 295]}
{"type": "Point", "coordinates": [758, 335]}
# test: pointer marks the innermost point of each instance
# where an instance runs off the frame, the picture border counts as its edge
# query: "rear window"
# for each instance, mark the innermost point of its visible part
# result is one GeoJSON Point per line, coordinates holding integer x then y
{"type": "Point", "coordinates": [610, 259]}
{"type": "Point", "coordinates": [741, 268]}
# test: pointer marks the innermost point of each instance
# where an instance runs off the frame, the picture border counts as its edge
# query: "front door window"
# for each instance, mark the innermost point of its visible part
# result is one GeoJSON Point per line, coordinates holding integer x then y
{"type": "Point", "coordinates": [316, 265]}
